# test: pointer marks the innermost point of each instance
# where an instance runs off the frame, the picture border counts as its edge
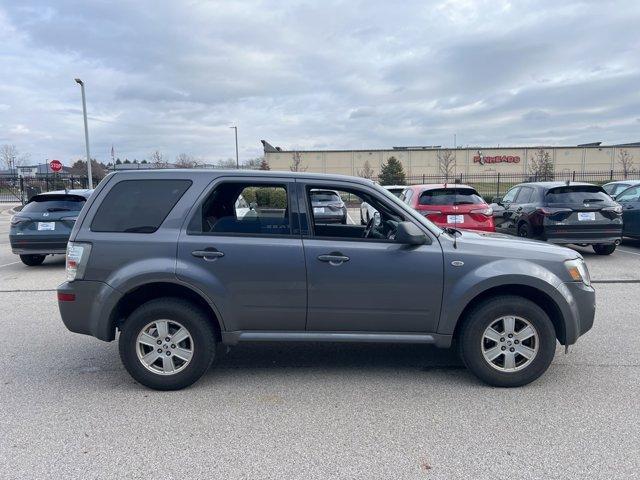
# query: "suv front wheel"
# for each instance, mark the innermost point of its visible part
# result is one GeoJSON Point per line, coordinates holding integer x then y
{"type": "Point", "coordinates": [167, 344]}
{"type": "Point", "coordinates": [508, 341]}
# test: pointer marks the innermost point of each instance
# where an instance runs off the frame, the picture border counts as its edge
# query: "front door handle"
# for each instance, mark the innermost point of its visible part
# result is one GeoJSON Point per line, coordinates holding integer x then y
{"type": "Point", "coordinates": [333, 258]}
{"type": "Point", "coordinates": [208, 254]}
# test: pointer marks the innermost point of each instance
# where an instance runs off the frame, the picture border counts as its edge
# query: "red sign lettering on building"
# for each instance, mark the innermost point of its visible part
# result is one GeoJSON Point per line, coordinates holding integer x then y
{"type": "Point", "coordinates": [482, 159]}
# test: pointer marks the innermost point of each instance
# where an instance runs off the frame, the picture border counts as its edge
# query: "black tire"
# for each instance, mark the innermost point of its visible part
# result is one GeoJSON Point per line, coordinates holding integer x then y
{"type": "Point", "coordinates": [523, 230]}
{"type": "Point", "coordinates": [32, 260]}
{"type": "Point", "coordinates": [199, 326]}
{"type": "Point", "coordinates": [486, 313]}
{"type": "Point", "coordinates": [601, 249]}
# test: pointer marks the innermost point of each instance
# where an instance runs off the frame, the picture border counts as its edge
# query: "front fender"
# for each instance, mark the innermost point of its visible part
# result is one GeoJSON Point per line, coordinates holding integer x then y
{"type": "Point", "coordinates": [463, 288]}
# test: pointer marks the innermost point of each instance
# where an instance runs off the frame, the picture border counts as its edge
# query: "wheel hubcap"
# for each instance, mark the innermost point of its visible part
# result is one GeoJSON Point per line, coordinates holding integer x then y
{"type": "Point", "coordinates": [164, 347]}
{"type": "Point", "coordinates": [509, 343]}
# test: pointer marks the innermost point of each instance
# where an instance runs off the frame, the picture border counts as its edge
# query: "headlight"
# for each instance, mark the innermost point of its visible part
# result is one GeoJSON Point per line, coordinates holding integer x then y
{"type": "Point", "coordinates": [578, 271]}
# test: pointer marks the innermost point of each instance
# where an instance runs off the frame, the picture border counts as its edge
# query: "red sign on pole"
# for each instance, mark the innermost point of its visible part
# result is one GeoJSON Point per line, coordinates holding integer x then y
{"type": "Point", "coordinates": [55, 165]}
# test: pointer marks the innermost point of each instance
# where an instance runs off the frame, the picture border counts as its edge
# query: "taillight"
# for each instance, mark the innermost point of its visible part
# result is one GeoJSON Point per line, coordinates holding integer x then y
{"type": "Point", "coordinates": [17, 220]}
{"type": "Point", "coordinates": [487, 211]}
{"type": "Point", "coordinates": [555, 212]}
{"type": "Point", "coordinates": [334, 205]}
{"type": "Point", "coordinates": [426, 213]}
{"type": "Point", "coordinates": [69, 220]}
{"type": "Point", "coordinates": [615, 210]}
{"type": "Point", "coordinates": [77, 259]}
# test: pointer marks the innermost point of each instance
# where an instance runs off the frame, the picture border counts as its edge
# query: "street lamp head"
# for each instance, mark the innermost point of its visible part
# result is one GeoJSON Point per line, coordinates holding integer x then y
{"type": "Point", "coordinates": [78, 81]}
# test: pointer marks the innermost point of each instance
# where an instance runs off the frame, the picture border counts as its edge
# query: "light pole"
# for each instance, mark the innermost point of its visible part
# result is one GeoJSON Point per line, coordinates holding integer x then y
{"type": "Point", "coordinates": [237, 161]}
{"type": "Point", "coordinates": [86, 132]}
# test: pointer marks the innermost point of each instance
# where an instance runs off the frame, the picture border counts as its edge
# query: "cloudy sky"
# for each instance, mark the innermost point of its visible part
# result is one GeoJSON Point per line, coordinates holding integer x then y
{"type": "Point", "coordinates": [174, 75]}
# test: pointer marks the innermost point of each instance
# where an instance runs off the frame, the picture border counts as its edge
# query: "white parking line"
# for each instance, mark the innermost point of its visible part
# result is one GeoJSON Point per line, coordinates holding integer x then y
{"type": "Point", "coordinates": [7, 264]}
{"type": "Point", "coordinates": [627, 251]}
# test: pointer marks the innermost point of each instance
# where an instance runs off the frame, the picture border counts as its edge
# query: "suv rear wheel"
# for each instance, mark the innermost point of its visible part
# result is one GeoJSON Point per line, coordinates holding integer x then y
{"type": "Point", "coordinates": [601, 249]}
{"type": "Point", "coordinates": [507, 341]}
{"type": "Point", "coordinates": [32, 260]}
{"type": "Point", "coordinates": [167, 344]}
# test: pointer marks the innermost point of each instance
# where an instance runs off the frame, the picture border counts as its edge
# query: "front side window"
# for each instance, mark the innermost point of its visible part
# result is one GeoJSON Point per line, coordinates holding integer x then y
{"type": "Point", "coordinates": [511, 195]}
{"type": "Point", "coordinates": [524, 196]}
{"type": "Point", "coordinates": [240, 208]}
{"type": "Point", "coordinates": [338, 213]}
{"type": "Point", "coordinates": [630, 195]}
{"type": "Point", "coordinates": [138, 206]}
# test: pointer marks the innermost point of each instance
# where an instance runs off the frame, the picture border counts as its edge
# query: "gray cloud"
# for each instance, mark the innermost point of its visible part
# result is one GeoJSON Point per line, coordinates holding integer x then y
{"type": "Point", "coordinates": [174, 75]}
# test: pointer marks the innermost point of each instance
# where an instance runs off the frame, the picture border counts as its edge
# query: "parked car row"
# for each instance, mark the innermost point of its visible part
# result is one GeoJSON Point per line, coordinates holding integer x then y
{"type": "Point", "coordinates": [557, 212]}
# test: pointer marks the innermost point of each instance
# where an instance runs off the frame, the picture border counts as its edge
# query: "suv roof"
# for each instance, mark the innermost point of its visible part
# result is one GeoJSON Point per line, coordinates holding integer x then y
{"type": "Point", "coordinates": [549, 185]}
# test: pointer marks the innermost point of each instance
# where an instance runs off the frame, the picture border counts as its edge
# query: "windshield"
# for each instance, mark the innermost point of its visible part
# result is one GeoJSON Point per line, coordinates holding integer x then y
{"type": "Point", "coordinates": [450, 196]}
{"type": "Point", "coordinates": [395, 200]}
{"type": "Point", "coordinates": [58, 203]}
{"type": "Point", "coordinates": [577, 194]}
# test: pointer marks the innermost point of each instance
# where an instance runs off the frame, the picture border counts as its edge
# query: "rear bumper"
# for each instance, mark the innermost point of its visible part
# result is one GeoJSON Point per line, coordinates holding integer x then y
{"type": "Point", "coordinates": [604, 234]}
{"type": "Point", "coordinates": [90, 312]}
{"type": "Point", "coordinates": [38, 244]}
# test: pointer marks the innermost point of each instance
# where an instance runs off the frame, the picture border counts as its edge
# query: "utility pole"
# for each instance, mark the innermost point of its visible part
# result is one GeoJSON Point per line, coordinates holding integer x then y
{"type": "Point", "coordinates": [237, 161]}
{"type": "Point", "coordinates": [86, 132]}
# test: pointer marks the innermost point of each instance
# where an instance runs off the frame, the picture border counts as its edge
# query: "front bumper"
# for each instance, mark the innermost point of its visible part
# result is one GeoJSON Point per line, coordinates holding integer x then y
{"type": "Point", "coordinates": [91, 311]}
{"type": "Point", "coordinates": [582, 303]}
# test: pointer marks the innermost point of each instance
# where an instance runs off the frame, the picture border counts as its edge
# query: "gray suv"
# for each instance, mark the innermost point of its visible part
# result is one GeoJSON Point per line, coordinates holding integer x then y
{"type": "Point", "coordinates": [165, 258]}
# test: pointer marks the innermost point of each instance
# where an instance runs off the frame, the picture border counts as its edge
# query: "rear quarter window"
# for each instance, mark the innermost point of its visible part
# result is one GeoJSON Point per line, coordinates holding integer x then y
{"type": "Point", "coordinates": [138, 206]}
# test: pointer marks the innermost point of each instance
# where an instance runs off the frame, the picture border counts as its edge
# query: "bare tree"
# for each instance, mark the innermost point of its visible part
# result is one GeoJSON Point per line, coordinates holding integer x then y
{"type": "Point", "coordinates": [626, 162]}
{"type": "Point", "coordinates": [228, 163]}
{"type": "Point", "coordinates": [11, 158]}
{"type": "Point", "coordinates": [366, 171]}
{"type": "Point", "coordinates": [446, 163]}
{"type": "Point", "coordinates": [541, 165]}
{"type": "Point", "coordinates": [254, 163]}
{"type": "Point", "coordinates": [296, 163]}
{"type": "Point", "coordinates": [184, 160]}
{"type": "Point", "coordinates": [157, 160]}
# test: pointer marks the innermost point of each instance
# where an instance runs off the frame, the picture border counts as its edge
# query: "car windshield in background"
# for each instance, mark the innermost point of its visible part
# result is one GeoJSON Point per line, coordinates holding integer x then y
{"type": "Point", "coordinates": [324, 197]}
{"type": "Point", "coordinates": [58, 203]}
{"type": "Point", "coordinates": [578, 194]}
{"type": "Point", "coordinates": [450, 196]}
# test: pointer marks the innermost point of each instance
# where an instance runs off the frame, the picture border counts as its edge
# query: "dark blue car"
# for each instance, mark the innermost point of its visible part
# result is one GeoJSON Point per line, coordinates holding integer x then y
{"type": "Point", "coordinates": [630, 201]}
{"type": "Point", "coordinates": [43, 225]}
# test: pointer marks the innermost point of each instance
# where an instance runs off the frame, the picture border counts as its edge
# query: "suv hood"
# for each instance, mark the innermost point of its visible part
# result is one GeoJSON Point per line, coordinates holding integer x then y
{"type": "Point", "coordinates": [508, 246]}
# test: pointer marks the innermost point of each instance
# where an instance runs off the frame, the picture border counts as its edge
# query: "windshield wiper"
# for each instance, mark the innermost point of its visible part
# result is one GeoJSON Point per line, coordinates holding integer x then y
{"type": "Point", "coordinates": [463, 203]}
{"type": "Point", "coordinates": [58, 209]}
{"type": "Point", "coordinates": [141, 229]}
{"type": "Point", "coordinates": [591, 200]}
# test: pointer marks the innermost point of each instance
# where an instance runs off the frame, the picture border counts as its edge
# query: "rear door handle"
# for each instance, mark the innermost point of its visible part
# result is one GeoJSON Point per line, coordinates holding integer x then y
{"type": "Point", "coordinates": [208, 254]}
{"type": "Point", "coordinates": [333, 258]}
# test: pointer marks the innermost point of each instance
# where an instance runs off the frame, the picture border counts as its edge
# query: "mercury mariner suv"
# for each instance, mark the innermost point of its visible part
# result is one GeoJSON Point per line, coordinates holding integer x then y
{"type": "Point", "coordinates": [166, 259]}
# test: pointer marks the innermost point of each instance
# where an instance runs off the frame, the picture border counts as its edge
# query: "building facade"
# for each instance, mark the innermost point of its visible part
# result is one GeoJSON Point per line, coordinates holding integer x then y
{"type": "Point", "coordinates": [468, 161]}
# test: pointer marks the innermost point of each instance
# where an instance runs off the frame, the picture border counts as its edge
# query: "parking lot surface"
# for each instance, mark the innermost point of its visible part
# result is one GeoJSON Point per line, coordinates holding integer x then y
{"type": "Point", "coordinates": [68, 409]}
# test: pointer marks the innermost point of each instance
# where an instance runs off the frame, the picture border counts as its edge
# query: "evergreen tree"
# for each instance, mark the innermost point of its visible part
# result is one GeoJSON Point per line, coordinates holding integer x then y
{"type": "Point", "coordinates": [264, 165]}
{"type": "Point", "coordinates": [392, 173]}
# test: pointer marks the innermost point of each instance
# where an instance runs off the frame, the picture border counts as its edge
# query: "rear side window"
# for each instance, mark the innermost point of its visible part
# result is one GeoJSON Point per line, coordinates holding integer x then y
{"type": "Point", "coordinates": [235, 208]}
{"type": "Point", "coordinates": [577, 194]}
{"type": "Point", "coordinates": [450, 196]}
{"type": "Point", "coordinates": [57, 203]}
{"type": "Point", "coordinates": [138, 206]}
{"type": "Point", "coordinates": [524, 196]}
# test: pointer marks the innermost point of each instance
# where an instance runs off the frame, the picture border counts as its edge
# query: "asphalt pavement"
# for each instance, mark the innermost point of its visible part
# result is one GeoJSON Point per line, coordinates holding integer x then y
{"type": "Point", "coordinates": [68, 409]}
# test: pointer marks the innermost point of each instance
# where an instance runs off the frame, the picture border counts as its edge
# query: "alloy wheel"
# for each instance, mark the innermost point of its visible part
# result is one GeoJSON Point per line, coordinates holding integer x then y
{"type": "Point", "coordinates": [509, 343]}
{"type": "Point", "coordinates": [164, 347]}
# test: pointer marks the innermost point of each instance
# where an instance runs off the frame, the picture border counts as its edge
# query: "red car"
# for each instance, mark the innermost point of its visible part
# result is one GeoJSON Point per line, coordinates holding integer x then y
{"type": "Point", "coordinates": [451, 205]}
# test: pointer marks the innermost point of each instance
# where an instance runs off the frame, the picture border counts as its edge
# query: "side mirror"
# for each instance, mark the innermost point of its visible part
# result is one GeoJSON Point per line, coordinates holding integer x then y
{"type": "Point", "coordinates": [408, 234]}
{"type": "Point", "coordinates": [497, 200]}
